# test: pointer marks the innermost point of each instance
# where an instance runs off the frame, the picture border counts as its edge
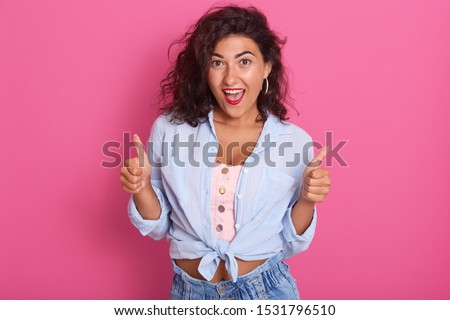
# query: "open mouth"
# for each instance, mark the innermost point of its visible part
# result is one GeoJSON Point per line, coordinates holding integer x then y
{"type": "Point", "coordinates": [234, 96]}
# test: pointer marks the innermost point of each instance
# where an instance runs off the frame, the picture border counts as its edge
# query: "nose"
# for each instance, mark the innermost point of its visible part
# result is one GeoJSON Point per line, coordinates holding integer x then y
{"type": "Point", "coordinates": [230, 76]}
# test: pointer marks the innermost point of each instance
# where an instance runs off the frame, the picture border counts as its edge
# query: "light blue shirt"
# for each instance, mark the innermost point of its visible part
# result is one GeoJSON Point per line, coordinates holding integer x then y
{"type": "Point", "coordinates": [268, 187]}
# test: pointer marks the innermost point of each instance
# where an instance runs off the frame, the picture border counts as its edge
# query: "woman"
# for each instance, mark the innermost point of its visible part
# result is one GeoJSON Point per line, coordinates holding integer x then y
{"type": "Point", "coordinates": [227, 180]}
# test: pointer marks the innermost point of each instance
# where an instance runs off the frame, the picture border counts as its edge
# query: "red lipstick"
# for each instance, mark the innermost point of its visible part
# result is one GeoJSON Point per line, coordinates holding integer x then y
{"type": "Point", "coordinates": [229, 97]}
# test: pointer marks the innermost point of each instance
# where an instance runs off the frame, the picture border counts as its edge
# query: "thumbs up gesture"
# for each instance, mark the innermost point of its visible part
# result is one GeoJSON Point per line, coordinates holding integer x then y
{"type": "Point", "coordinates": [135, 174]}
{"type": "Point", "coordinates": [316, 180]}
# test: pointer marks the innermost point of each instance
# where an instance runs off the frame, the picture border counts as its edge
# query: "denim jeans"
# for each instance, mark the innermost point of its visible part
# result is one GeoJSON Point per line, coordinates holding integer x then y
{"type": "Point", "coordinates": [271, 280]}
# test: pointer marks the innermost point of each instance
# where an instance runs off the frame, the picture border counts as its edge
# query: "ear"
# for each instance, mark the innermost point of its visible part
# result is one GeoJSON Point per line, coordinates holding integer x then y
{"type": "Point", "coordinates": [267, 68]}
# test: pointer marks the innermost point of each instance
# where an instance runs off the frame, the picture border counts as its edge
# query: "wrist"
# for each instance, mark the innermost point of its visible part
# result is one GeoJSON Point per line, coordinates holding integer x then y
{"type": "Point", "coordinates": [305, 201]}
{"type": "Point", "coordinates": [145, 190]}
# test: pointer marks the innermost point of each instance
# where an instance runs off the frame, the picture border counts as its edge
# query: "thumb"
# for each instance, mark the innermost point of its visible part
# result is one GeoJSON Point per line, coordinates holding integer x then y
{"type": "Point", "coordinates": [142, 155]}
{"type": "Point", "coordinates": [317, 161]}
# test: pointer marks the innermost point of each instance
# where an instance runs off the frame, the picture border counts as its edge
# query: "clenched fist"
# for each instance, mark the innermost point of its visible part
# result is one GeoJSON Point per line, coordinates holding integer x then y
{"type": "Point", "coordinates": [316, 180]}
{"type": "Point", "coordinates": [135, 174]}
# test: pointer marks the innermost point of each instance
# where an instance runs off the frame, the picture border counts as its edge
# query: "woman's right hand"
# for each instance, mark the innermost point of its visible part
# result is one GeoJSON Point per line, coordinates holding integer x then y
{"type": "Point", "coordinates": [135, 174]}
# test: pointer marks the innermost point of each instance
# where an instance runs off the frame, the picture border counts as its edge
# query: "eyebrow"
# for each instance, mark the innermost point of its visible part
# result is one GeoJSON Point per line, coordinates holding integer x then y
{"type": "Point", "coordinates": [236, 56]}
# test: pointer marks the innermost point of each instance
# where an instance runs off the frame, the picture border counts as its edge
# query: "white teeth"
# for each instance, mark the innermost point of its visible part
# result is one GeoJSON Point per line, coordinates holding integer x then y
{"type": "Point", "coordinates": [233, 91]}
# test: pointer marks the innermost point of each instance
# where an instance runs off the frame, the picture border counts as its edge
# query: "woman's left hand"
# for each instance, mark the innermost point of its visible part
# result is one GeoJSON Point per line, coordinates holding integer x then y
{"type": "Point", "coordinates": [316, 180]}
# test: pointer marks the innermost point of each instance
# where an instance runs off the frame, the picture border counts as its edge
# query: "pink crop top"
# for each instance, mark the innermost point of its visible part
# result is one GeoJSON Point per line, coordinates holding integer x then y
{"type": "Point", "coordinates": [223, 187]}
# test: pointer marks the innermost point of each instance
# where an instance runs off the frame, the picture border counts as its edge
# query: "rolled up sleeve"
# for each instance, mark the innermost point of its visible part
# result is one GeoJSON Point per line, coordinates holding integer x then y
{"type": "Point", "coordinates": [155, 229]}
{"type": "Point", "coordinates": [294, 243]}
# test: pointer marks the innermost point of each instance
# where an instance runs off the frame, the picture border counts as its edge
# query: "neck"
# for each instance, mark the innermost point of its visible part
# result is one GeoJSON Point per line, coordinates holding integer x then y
{"type": "Point", "coordinates": [248, 120]}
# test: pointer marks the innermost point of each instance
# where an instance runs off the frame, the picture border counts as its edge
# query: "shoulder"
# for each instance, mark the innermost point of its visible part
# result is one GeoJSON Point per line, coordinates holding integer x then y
{"type": "Point", "coordinates": [162, 122]}
{"type": "Point", "coordinates": [295, 132]}
{"type": "Point", "coordinates": [165, 123]}
{"type": "Point", "coordinates": [167, 128]}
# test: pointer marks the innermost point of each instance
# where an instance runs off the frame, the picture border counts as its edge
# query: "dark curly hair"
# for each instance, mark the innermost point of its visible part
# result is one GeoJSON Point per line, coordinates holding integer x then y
{"type": "Point", "coordinates": [185, 93]}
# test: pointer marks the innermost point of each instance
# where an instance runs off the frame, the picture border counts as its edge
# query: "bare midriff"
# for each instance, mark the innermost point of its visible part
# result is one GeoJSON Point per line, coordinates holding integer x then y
{"type": "Point", "coordinates": [191, 268]}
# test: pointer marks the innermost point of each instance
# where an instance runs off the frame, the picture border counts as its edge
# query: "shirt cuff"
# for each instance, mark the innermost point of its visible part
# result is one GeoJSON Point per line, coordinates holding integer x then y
{"type": "Point", "coordinates": [154, 228]}
{"type": "Point", "coordinates": [307, 235]}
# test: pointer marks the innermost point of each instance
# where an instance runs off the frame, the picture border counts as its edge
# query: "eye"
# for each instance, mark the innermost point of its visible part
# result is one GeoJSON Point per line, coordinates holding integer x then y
{"type": "Point", "coordinates": [216, 63]}
{"type": "Point", "coordinates": [245, 62]}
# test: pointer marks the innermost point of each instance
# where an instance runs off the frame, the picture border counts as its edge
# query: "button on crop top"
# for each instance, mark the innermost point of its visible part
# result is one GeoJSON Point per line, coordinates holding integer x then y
{"type": "Point", "coordinates": [223, 185]}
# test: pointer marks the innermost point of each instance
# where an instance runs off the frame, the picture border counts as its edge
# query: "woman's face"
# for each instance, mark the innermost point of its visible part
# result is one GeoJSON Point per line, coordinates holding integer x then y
{"type": "Point", "coordinates": [236, 73]}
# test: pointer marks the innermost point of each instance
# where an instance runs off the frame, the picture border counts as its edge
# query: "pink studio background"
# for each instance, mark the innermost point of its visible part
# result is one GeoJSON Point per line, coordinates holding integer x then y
{"type": "Point", "coordinates": [77, 74]}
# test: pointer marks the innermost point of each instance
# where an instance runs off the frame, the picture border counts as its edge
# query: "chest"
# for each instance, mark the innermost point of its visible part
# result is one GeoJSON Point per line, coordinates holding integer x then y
{"type": "Point", "coordinates": [236, 144]}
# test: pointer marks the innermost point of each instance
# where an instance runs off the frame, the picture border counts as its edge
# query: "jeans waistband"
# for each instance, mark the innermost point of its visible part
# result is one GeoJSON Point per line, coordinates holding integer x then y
{"type": "Point", "coordinates": [269, 270]}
